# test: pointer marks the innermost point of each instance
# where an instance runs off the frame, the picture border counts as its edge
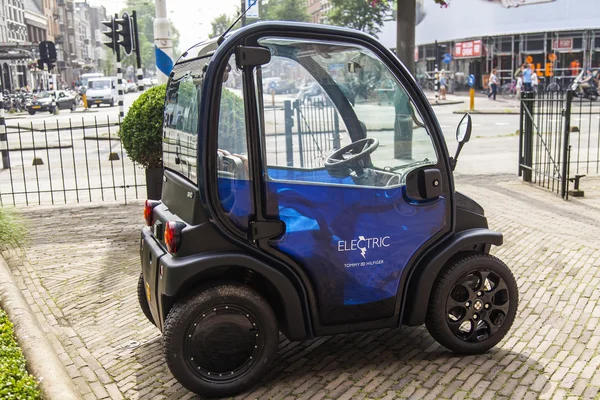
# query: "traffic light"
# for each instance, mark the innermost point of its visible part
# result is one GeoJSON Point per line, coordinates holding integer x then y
{"type": "Point", "coordinates": [40, 65]}
{"type": "Point", "coordinates": [125, 33]}
{"type": "Point", "coordinates": [111, 34]}
{"type": "Point", "coordinates": [51, 65]}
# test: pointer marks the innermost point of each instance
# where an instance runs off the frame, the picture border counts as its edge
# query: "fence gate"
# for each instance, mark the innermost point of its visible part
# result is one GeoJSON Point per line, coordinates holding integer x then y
{"type": "Point", "coordinates": [559, 140]}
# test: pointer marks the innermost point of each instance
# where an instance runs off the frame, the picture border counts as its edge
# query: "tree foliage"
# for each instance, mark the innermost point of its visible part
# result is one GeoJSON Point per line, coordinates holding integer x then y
{"type": "Point", "coordinates": [284, 10]}
{"type": "Point", "coordinates": [141, 130]}
{"type": "Point", "coordinates": [366, 16]}
{"type": "Point", "coordinates": [220, 24]}
{"type": "Point", "coordinates": [145, 18]}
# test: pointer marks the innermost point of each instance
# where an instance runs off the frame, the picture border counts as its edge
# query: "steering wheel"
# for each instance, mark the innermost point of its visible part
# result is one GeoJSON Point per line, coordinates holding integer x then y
{"type": "Point", "coordinates": [352, 157]}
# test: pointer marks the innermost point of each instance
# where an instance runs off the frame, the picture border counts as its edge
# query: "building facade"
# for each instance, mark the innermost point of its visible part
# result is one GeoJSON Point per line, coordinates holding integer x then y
{"type": "Point", "coordinates": [559, 37]}
{"type": "Point", "coordinates": [317, 10]}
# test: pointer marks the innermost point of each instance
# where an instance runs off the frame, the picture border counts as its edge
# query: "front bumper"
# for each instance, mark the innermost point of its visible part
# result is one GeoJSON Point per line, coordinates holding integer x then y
{"type": "Point", "coordinates": [98, 101]}
{"type": "Point", "coordinates": [39, 107]}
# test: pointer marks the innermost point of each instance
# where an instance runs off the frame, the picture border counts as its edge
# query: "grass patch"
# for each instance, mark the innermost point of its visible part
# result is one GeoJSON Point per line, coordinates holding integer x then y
{"type": "Point", "coordinates": [15, 381]}
{"type": "Point", "coordinates": [12, 229]}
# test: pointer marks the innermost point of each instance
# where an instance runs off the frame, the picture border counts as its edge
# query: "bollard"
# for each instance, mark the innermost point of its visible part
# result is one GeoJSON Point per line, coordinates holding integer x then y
{"type": "Point", "coordinates": [85, 104]}
{"type": "Point", "coordinates": [3, 138]}
{"type": "Point", "coordinates": [472, 99]}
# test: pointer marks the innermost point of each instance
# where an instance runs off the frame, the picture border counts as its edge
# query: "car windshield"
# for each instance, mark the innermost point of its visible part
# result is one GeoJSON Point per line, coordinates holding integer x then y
{"type": "Point", "coordinates": [103, 84]}
{"type": "Point", "coordinates": [42, 95]}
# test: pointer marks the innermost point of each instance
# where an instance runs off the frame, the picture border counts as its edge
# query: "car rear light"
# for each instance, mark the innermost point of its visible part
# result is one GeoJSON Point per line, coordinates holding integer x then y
{"type": "Point", "coordinates": [173, 235]}
{"type": "Point", "coordinates": [148, 208]}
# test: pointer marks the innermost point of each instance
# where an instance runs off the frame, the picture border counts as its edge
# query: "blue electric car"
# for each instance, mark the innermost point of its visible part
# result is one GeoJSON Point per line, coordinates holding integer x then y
{"type": "Point", "coordinates": [308, 216]}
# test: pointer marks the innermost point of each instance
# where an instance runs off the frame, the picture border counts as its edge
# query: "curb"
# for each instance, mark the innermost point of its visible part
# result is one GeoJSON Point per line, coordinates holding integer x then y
{"type": "Point", "coordinates": [444, 102]}
{"type": "Point", "coordinates": [42, 361]}
{"type": "Point", "coordinates": [488, 112]}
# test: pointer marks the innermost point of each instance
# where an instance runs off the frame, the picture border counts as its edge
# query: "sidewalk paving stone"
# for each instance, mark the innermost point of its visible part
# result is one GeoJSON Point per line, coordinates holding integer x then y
{"type": "Point", "coordinates": [80, 270]}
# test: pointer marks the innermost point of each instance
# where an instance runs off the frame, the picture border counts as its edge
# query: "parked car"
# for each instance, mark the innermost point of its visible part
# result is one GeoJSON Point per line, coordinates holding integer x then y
{"type": "Point", "coordinates": [43, 101]}
{"type": "Point", "coordinates": [360, 230]}
{"type": "Point", "coordinates": [130, 87]}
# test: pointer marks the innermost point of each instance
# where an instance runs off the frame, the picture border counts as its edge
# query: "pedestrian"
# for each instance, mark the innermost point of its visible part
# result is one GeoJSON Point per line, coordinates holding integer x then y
{"type": "Point", "coordinates": [493, 83]}
{"type": "Point", "coordinates": [443, 84]}
{"type": "Point", "coordinates": [527, 78]}
{"type": "Point", "coordinates": [519, 86]}
{"type": "Point", "coordinates": [534, 81]}
{"type": "Point", "coordinates": [519, 71]}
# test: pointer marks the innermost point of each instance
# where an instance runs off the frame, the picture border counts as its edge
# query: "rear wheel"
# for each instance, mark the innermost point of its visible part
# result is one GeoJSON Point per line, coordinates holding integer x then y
{"type": "Point", "coordinates": [473, 304]}
{"type": "Point", "coordinates": [141, 293]}
{"type": "Point", "coordinates": [31, 112]}
{"type": "Point", "coordinates": [220, 340]}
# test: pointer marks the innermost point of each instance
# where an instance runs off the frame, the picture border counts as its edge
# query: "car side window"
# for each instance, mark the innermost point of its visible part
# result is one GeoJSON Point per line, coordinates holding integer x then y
{"type": "Point", "coordinates": [329, 104]}
{"type": "Point", "coordinates": [233, 173]}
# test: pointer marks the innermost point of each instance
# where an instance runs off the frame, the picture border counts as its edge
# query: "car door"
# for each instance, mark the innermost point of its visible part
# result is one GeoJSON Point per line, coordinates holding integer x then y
{"type": "Point", "coordinates": [356, 230]}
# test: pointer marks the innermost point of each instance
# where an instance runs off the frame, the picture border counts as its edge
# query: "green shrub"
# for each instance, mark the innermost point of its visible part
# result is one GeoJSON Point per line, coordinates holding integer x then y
{"type": "Point", "coordinates": [12, 230]}
{"type": "Point", "coordinates": [141, 129]}
{"type": "Point", "coordinates": [15, 381]}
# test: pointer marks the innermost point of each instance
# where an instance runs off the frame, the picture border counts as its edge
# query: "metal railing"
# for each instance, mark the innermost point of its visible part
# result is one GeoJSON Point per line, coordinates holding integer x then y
{"type": "Point", "coordinates": [559, 140]}
{"type": "Point", "coordinates": [67, 161]}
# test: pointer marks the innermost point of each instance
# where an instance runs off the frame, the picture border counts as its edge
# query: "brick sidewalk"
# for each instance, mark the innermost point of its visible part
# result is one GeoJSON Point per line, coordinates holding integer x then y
{"type": "Point", "coordinates": [80, 271]}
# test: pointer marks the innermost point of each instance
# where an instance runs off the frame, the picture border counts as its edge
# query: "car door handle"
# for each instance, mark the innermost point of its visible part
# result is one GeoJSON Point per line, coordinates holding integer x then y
{"type": "Point", "coordinates": [424, 184]}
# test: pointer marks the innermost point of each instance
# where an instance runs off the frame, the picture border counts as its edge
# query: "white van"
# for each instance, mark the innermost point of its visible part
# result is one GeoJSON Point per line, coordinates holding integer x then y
{"type": "Point", "coordinates": [102, 91]}
{"type": "Point", "coordinates": [85, 78]}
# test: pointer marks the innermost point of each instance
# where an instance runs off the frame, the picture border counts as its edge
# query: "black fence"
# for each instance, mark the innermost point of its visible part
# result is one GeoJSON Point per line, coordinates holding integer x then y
{"type": "Point", "coordinates": [67, 161]}
{"type": "Point", "coordinates": [559, 140]}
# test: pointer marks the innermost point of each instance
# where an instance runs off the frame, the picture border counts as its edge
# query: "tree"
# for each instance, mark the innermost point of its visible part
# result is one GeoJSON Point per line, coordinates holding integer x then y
{"type": "Point", "coordinates": [220, 24]}
{"type": "Point", "coordinates": [284, 10]}
{"type": "Point", "coordinates": [145, 18]}
{"type": "Point", "coordinates": [366, 16]}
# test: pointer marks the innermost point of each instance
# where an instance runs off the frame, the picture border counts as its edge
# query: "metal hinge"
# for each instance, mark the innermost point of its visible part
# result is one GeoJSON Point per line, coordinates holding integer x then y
{"type": "Point", "coordinates": [258, 230]}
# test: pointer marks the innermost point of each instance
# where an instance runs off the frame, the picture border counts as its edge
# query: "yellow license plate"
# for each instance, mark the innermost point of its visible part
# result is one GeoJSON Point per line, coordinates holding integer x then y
{"type": "Point", "coordinates": [37, 107]}
{"type": "Point", "coordinates": [98, 101]}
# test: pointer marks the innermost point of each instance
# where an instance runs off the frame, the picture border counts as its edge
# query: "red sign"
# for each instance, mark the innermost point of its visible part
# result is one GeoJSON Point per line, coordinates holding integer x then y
{"type": "Point", "coordinates": [472, 48]}
{"type": "Point", "coordinates": [562, 44]}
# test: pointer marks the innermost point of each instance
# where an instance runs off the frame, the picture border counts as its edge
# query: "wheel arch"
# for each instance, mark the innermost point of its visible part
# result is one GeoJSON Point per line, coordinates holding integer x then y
{"type": "Point", "coordinates": [423, 275]}
{"type": "Point", "coordinates": [277, 289]}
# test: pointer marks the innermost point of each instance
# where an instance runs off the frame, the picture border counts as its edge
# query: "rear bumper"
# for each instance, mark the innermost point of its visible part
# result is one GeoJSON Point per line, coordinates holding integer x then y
{"type": "Point", "coordinates": [151, 253]}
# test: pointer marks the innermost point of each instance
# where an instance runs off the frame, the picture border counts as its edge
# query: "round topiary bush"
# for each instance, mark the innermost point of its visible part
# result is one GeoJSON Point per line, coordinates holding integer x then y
{"type": "Point", "coordinates": [141, 129]}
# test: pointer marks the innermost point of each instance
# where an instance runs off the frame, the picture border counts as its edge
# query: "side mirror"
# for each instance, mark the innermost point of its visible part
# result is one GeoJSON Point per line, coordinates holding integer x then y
{"type": "Point", "coordinates": [463, 134]}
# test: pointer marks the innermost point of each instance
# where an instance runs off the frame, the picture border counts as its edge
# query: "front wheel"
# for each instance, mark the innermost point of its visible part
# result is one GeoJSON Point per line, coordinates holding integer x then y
{"type": "Point", "coordinates": [473, 303]}
{"type": "Point", "coordinates": [220, 340]}
{"type": "Point", "coordinates": [31, 112]}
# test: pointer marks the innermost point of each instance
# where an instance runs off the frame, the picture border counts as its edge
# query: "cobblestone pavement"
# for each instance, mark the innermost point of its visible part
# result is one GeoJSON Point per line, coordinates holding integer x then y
{"type": "Point", "coordinates": [80, 270]}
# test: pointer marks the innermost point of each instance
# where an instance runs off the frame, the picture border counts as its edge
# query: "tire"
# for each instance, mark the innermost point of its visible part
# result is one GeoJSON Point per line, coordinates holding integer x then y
{"type": "Point", "coordinates": [141, 293]}
{"type": "Point", "coordinates": [31, 112]}
{"type": "Point", "coordinates": [112, 102]}
{"type": "Point", "coordinates": [506, 92]}
{"type": "Point", "coordinates": [553, 87]}
{"type": "Point", "coordinates": [460, 300]}
{"type": "Point", "coordinates": [73, 106]}
{"type": "Point", "coordinates": [249, 324]}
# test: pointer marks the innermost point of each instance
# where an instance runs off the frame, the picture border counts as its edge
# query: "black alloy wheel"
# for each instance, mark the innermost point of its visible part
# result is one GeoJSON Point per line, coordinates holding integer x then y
{"type": "Point", "coordinates": [473, 303]}
{"type": "Point", "coordinates": [220, 340]}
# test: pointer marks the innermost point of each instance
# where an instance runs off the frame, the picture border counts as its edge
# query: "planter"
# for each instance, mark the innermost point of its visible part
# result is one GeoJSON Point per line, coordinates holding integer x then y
{"type": "Point", "coordinates": [154, 180]}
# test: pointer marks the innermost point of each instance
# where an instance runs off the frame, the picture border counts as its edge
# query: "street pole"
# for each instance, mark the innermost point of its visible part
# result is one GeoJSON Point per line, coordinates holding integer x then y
{"type": "Point", "coordinates": [405, 32]}
{"type": "Point", "coordinates": [119, 79]}
{"type": "Point", "coordinates": [242, 9]}
{"type": "Point", "coordinates": [3, 137]}
{"type": "Point", "coordinates": [138, 54]}
{"type": "Point", "coordinates": [163, 45]}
